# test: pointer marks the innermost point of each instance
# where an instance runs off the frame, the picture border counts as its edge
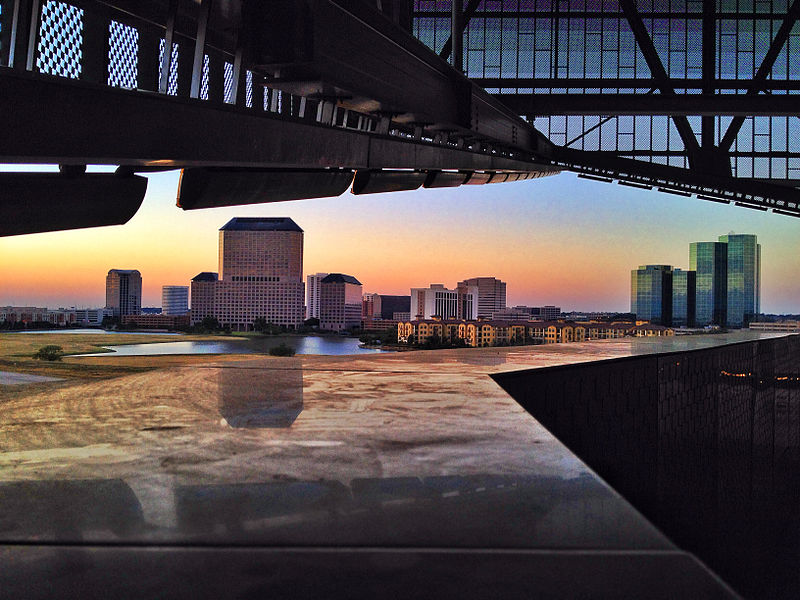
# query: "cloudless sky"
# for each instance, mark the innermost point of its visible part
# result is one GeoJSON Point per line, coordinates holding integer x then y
{"type": "Point", "coordinates": [558, 240]}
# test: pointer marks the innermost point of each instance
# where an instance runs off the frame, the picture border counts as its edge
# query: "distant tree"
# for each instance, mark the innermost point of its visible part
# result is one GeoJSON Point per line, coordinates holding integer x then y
{"type": "Point", "coordinates": [261, 325]}
{"type": "Point", "coordinates": [281, 350]}
{"type": "Point", "coordinates": [50, 352]}
{"type": "Point", "coordinates": [210, 324]}
{"type": "Point", "coordinates": [110, 323]}
{"type": "Point", "coordinates": [312, 322]}
{"type": "Point", "coordinates": [389, 336]}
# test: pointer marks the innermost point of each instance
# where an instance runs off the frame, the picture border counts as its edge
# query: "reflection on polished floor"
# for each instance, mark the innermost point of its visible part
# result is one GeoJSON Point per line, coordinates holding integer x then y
{"type": "Point", "coordinates": [409, 473]}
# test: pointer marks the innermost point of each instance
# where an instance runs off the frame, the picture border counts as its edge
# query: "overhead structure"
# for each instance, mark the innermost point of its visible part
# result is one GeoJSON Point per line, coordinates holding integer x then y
{"type": "Point", "coordinates": [284, 97]}
{"type": "Point", "coordinates": [696, 97]}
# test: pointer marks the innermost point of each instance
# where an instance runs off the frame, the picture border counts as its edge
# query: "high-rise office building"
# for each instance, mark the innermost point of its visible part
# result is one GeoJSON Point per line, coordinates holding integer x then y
{"type": "Point", "coordinates": [312, 294]}
{"type": "Point", "coordinates": [710, 261]}
{"type": "Point", "coordinates": [174, 300]}
{"type": "Point", "coordinates": [124, 292]}
{"type": "Point", "coordinates": [684, 298]}
{"type": "Point", "coordinates": [383, 306]}
{"type": "Point", "coordinates": [389, 305]}
{"type": "Point", "coordinates": [744, 278]}
{"type": "Point", "coordinates": [260, 275]}
{"type": "Point", "coordinates": [651, 293]}
{"type": "Point", "coordinates": [340, 301]}
{"type": "Point", "coordinates": [438, 301]}
{"type": "Point", "coordinates": [491, 294]}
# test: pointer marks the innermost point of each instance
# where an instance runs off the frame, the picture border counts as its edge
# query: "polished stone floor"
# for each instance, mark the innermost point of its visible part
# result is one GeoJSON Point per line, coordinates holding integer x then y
{"type": "Point", "coordinates": [410, 473]}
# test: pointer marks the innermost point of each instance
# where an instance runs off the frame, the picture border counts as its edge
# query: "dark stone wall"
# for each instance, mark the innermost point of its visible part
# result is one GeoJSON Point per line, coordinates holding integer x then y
{"type": "Point", "coordinates": [704, 442]}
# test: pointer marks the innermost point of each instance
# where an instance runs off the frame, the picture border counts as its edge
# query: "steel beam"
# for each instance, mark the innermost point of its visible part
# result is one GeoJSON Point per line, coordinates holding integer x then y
{"type": "Point", "coordinates": [645, 43]}
{"type": "Point", "coordinates": [709, 70]}
{"type": "Point", "coordinates": [101, 125]}
{"type": "Point", "coordinates": [652, 104]}
{"type": "Point", "coordinates": [764, 69]}
{"type": "Point", "coordinates": [632, 83]}
{"type": "Point", "coordinates": [457, 35]}
{"type": "Point", "coordinates": [354, 54]}
{"type": "Point", "coordinates": [199, 47]}
{"type": "Point", "coordinates": [169, 37]}
{"type": "Point", "coordinates": [447, 49]}
{"type": "Point", "coordinates": [753, 193]}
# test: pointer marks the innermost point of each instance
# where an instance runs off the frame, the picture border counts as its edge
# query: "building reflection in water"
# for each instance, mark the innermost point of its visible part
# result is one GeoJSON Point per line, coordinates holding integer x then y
{"type": "Point", "coordinates": [706, 444]}
{"type": "Point", "coordinates": [260, 398]}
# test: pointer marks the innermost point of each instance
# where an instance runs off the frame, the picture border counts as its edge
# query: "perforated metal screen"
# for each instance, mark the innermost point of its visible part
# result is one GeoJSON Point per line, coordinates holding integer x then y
{"type": "Point", "coordinates": [204, 79]}
{"type": "Point", "coordinates": [59, 50]}
{"type": "Point", "coordinates": [540, 47]}
{"type": "Point", "coordinates": [249, 89]}
{"type": "Point", "coordinates": [172, 86]}
{"type": "Point", "coordinates": [228, 83]}
{"type": "Point", "coordinates": [123, 51]}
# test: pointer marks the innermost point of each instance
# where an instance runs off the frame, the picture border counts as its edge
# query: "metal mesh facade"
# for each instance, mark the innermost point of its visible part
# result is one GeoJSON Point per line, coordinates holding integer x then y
{"type": "Point", "coordinates": [228, 72]}
{"type": "Point", "coordinates": [204, 79]}
{"type": "Point", "coordinates": [172, 86]}
{"type": "Point", "coordinates": [123, 49]}
{"type": "Point", "coordinates": [248, 84]}
{"type": "Point", "coordinates": [59, 50]}
{"type": "Point", "coordinates": [523, 47]}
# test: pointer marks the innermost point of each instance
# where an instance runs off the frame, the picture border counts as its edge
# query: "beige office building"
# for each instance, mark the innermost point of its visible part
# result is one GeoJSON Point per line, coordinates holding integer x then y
{"type": "Point", "coordinates": [339, 302]}
{"type": "Point", "coordinates": [260, 275]}
{"type": "Point", "coordinates": [491, 294]}
{"type": "Point", "coordinates": [124, 292]}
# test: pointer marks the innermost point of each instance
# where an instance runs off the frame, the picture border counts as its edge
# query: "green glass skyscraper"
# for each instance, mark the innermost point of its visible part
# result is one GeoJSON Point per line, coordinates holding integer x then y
{"type": "Point", "coordinates": [744, 278]}
{"type": "Point", "coordinates": [651, 293]}
{"type": "Point", "coordinates": [710, 261]}
{"type": "Point", "coordinates": [684, 294]}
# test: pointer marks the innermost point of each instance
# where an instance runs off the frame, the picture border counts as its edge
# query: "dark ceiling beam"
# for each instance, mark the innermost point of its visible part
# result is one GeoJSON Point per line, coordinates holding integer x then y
{"type": "Point", "coordinates": [349, 52]}
{"type": "Point", "coordinates": [645, 43]}
{"type": "Point", "coordinates": [707, 132]}
{"type": "Point", "coordinates": [763, 71]}
{"type": "Point", "coordinates": [707, 105]}
{"type": "Point", "coordinates": [472, 5]}
{"type": "Point", "coordinates": [94, 124]}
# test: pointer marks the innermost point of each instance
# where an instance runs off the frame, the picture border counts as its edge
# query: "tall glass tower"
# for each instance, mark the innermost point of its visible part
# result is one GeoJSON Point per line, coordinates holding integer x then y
{"type": "Point", "coordinates": [684, 294]}
{"type": "Point", "coordinates": [651, 293]}
{"type": "Point", "coordinates": [744, 278]}
{"type": "Point", "coordinates": [710, 261]}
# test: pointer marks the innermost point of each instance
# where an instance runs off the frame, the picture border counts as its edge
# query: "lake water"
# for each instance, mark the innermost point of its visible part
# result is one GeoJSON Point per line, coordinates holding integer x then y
{"type": "Point", "coordinates": [328, 345]}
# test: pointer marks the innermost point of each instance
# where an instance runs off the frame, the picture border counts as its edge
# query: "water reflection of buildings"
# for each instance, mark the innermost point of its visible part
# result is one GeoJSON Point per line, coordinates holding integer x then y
{"type": "Point", "coordinates": [245, 400]}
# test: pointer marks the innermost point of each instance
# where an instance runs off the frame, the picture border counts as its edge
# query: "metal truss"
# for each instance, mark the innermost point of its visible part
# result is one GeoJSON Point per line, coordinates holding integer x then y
{"type": "Point", "coordinates": [321, 84]}
{"type": "Point", "coordinates": [707, 86]}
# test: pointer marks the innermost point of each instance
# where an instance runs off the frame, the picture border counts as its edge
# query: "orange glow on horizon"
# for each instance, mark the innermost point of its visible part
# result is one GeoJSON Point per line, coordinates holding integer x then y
{"type": "Point", "coordinates": [559, 241]}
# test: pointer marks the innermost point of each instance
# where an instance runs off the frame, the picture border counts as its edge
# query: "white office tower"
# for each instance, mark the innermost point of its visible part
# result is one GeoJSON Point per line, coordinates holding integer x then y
{"type": "Point", "coordinates": [174, 300]}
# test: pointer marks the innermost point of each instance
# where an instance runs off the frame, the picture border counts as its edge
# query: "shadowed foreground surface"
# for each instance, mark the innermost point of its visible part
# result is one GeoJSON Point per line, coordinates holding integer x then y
{"type": "Point", "coordinates": [411, 474]}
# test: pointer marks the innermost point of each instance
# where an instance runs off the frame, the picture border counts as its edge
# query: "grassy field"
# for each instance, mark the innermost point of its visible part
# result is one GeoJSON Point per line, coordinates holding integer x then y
{"type": "Point", "coordinates": [17, 349]}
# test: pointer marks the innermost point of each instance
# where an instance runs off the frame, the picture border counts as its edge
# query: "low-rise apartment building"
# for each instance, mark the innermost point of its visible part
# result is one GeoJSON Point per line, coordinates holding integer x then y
{"type": "Point", "coordinates": [487, 333]}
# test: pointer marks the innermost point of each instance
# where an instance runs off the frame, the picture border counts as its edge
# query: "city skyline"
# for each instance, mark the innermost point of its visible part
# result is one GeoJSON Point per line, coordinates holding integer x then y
{"type": "Point", "coordinates": [560, 240]}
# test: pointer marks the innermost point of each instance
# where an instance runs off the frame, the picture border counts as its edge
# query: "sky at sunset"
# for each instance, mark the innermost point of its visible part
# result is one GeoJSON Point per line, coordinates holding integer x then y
{"type": "Point", "coordinates": [559, 240]}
